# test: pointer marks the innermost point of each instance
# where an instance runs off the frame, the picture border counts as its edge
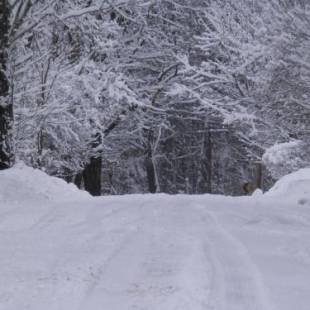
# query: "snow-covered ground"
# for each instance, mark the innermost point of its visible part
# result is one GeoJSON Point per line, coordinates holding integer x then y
{"type": "Point", "coordinates": [63, 250]}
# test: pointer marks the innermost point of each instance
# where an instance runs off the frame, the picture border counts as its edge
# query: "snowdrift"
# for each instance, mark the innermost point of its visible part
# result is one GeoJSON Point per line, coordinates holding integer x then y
{"type": "Point", "coordinates": [294, 187]}
{"type": "Point", "coordinates": [25, 184]}
{"type": "Point", "coordinates": [22, 183]}
{"type": "Point", "coordinates": [284, 158]}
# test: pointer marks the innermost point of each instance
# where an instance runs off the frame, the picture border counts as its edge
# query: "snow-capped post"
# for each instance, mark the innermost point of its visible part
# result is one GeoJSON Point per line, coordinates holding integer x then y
{"type": "Point", "coordinates": [6, 107]}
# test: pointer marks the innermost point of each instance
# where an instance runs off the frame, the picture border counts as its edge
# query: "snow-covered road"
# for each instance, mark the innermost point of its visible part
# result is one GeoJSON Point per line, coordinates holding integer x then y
{"type": "Point", "coordinates": [155, 253]}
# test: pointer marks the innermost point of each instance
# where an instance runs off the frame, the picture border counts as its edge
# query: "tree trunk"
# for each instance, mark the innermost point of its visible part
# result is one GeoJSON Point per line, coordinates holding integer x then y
{"type": "Point", "coordinates": [259, 175]}
{"type": "Point", "coordinates": [78, 179]}
{"type": "Point", "coordinates": [150, 172]}
{"type": "Point", "coordinates": [92, 176]}
{"type": "Point", "coordinates": [6, 107]}
{"type": "Point", "coordinates": [92, 171]}
{"type": "Point", "coordinates": [210, 161]}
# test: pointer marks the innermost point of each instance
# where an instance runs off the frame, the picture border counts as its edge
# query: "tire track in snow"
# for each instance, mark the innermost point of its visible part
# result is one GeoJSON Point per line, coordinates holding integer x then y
{"type": "Point", "coordinates": [237, 283]}
{"type": "Point", "coordinates": [99, 271]}
{"type": "Point", "coordinates": [161, 266]}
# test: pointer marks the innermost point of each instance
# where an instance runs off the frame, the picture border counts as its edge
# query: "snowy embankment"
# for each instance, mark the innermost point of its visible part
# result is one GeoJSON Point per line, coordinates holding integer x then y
{"type": "Point", "coordinates": [293, 188]}
{"type": "Point", "coordinates": [63, 250]}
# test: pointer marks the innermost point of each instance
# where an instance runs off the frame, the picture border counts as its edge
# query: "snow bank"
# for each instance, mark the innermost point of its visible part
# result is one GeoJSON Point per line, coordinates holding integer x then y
{"type": "Point", "coordinates": [284, 158]}
{"type": "Point", "coordinates": [294, 187]}
{"type": "Point", "coordinates": [22, 183]}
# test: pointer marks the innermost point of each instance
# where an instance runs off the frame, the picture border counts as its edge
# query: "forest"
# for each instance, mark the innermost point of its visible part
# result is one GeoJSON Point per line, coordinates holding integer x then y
{"type": "Point", "coordinates": [173, 96]}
